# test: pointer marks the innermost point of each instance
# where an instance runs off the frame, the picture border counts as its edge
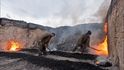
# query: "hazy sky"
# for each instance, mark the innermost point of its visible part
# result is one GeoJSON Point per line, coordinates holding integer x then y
{"type": "Point", "coordinates": [55, 13]}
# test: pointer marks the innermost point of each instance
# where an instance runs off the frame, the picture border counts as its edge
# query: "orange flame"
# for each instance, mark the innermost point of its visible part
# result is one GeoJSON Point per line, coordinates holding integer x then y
{"type": "Point", "coordinates": [104, 45]}
{"type": "Point", "coordinates": [105, 27]}
{"type": "Point", "coordinates": [13, 45]}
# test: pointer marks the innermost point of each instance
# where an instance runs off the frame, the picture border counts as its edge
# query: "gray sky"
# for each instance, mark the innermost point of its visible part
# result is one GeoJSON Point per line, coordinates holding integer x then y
{"type": "Point", "coordinates": [55, 13]}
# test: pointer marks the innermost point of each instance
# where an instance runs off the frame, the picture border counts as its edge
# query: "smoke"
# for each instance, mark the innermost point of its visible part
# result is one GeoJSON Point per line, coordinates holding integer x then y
{"type": "Point", "coordinates": [71, 14]}
{"type": "Point", "coordinates": [103, 9]}
{"type": "Point", "coordinates": [69, 35]}
{"type": "Point", "coordinates": [66, 36]}
{"type": "Point", "coordinates": [48, 13]}
{"type": "Point", "coordinates": [77, 12]}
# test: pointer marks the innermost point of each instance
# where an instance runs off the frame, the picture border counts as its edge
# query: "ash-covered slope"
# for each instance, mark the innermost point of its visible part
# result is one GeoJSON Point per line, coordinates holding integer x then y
{"type": "Point", "coordinates": [25, 61]}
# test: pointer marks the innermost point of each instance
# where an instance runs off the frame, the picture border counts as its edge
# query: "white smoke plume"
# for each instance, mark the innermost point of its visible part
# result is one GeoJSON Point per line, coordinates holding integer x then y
{"type": "Point", "coordinates": [52, 13]}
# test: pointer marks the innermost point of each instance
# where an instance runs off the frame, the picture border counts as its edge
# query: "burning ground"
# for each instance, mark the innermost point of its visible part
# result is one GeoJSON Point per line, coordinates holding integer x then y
{"type": "Point", "coordinates": [17, 35]}
{"type": "Point", "coordinates": [52, 61]}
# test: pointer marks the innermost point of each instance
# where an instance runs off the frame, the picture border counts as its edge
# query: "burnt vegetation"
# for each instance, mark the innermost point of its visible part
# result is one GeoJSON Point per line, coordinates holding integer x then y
{"type": "Point", "coordinates": [54, 64]}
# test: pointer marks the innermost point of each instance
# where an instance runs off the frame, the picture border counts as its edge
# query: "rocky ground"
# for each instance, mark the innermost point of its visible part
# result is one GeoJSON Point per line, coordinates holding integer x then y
{"type": "Point", "coordinates": [55, 60]}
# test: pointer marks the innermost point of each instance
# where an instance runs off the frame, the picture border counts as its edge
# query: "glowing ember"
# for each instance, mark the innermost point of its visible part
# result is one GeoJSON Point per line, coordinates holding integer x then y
{"type": "Point", "coordinates": [97, 62]}
{"type": "Point", "coordinates": [13, 45]}
{"type": "Point", "coordinates": [105, 27]}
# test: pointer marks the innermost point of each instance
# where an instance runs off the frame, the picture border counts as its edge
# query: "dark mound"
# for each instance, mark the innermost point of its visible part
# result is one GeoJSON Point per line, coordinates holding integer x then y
{"type": "Point", "coordinates": [51, 63]}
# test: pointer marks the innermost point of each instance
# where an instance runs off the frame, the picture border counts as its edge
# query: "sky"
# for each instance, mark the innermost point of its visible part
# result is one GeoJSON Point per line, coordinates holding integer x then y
{"type": "Point", "coordinates": [55, 13]}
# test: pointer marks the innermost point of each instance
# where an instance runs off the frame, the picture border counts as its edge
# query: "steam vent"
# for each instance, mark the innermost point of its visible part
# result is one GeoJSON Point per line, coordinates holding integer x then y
{"type": "Point", "coordinates": [74, 44]}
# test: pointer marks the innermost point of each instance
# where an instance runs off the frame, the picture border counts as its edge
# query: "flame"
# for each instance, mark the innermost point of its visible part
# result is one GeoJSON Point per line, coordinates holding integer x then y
{"type": "Point", "coordinates": [13, 45]}
{"type": "Point", "coordinates": [105, 27]}
{"type": "Point", "coordinates": [103, 46]}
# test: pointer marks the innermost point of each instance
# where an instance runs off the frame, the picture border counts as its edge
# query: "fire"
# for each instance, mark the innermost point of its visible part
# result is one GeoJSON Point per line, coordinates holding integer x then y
{"type": "Point", "coordinates": [13, 45]}
{"type": "Point", "coordinates": [103, 46]}
{"type": "Point", "coordinates": [105, 27]}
